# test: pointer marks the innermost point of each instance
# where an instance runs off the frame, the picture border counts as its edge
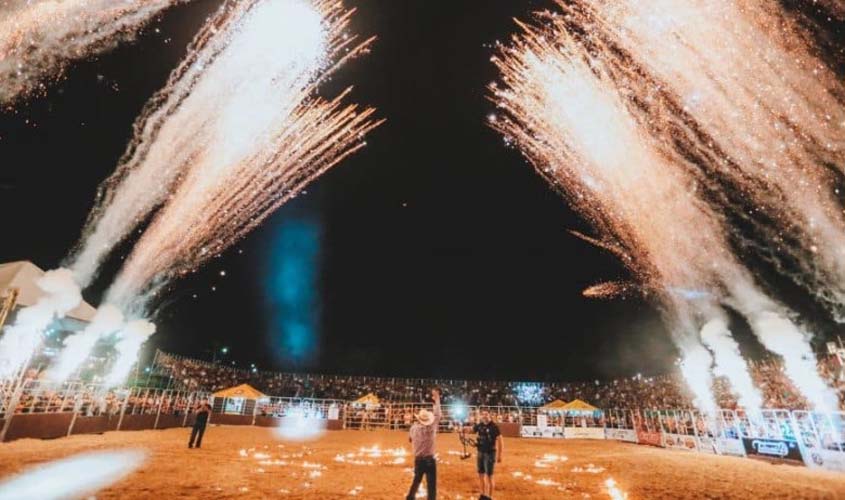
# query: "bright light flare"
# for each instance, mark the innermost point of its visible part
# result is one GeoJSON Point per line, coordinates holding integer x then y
{"type": "Point", "coordinates": [298, 425]}
{"type": "Point", "coordinates": [73, 477]}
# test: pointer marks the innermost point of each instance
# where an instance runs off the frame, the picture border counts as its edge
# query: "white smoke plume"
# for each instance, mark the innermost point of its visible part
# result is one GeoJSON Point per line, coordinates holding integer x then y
{"type": "Point", "coordinates": [730, 363]}
{"type": "Point", "coordinates": [77, 476]}
{"type": "Point", "coordinates": [133, 336]}
{"type": "Point", "coordinates": [78, 347]}
{"type": "Point", "coordinates": [781, 336]}
{"type": "Point", "coordinates": [696, 367]}
{"type": "Point", "coordinates": [20, 340]}
{"type": "Point", "coordinates": [40, 38]}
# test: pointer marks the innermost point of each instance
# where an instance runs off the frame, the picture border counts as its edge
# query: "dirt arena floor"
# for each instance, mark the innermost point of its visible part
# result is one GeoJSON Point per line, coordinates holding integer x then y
{"type": "Point", "coordinates": [251, 462]}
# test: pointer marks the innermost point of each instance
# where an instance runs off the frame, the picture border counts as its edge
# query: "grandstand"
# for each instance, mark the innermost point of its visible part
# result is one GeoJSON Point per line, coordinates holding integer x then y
{"type": "Point", "coordinates": [659, 392]}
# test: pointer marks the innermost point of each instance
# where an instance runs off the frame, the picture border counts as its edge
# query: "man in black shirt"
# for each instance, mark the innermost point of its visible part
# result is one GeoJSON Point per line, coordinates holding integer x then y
{"type": "Point", "coordinates": [489, 444]}
{"type": "Point", "coordinates": [200, 423]}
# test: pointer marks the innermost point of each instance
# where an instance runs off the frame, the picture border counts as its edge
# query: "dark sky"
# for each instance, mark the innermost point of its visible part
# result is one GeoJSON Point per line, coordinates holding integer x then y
{"type": "Point", "coordinates": [436, 251]}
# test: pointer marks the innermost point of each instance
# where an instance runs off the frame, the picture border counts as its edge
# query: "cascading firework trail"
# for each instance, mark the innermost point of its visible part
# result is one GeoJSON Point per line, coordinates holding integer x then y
{"type": "Point", "coordinates": [264, 147]}
{"type": "Point", "coordinates": [40, 38]}
{"type": "Point", "coordinates": [211, 110]}
{"type": "Point", "coordinates": [234, 134]}
{"type": "Point", "coordinates": [744, 93]}
{"type": "Point", "coordinates": [735, 86]}
{"type": "Point", "coordinates": [563, 108]}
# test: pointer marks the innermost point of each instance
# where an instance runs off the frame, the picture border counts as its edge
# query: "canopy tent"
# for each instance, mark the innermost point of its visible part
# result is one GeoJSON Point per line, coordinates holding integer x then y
{"type": "Point", "coordinates": [578, 406]}
{"type": "Point", "coordinates": [243, 391]}
{"type": "Point", "coordinates": [24, 275]}
{"type": "Point", "coordinates": [555, 406]}
{"type": "Point", "coordinates": [368, 400]}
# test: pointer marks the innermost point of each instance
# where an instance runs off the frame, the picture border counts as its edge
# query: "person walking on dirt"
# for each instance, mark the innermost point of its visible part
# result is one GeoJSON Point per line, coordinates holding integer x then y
{"type": "Point", "coordinates": [422, 437]}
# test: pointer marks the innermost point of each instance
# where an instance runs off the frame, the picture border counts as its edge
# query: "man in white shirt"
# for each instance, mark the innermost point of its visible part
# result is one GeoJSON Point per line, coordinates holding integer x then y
{"type": "Point", "coordinates": [422, 437]}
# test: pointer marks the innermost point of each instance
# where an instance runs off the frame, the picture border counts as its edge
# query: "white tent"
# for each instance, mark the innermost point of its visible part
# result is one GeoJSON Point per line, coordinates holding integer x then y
{"type": "Point", "coordinates": [22, 275]}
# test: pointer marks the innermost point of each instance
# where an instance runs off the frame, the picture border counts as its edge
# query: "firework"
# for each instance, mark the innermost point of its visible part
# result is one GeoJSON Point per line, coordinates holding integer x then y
{"type": "Point", "coordinates": [40, 38]}
{"type": "Point", "coordinates": [231, 93]}
{"type": "Point", "coordinates": [230, 188]}
{"type": "Point", "coordinates": [562, 105]}
{"type": "Point", "coordinates": [256, 152]}
{"type": "Point", "coordinates": [736, 86]}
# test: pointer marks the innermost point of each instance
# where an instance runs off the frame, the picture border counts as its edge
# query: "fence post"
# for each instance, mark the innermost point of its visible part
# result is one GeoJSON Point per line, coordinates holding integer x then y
{"type": "Point", "coordinates": [77, 403]}
{"type": "Point", "coordinates": [254, 412]}
{"type": "Point", "coordinates": [123, 409]}
{"type": "Point", "coordinates": [158, 411]}
{"type": "Point", "coordinates": [10, 411]}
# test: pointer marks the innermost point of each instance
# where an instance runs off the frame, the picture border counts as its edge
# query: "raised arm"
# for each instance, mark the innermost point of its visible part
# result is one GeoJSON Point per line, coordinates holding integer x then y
{"type": "Point", "coordinates": [435, 395]}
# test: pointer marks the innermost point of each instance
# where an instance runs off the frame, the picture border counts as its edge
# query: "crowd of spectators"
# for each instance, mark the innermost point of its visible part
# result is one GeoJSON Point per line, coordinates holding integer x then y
{"type": "Point", "coordinates": [659, 392]}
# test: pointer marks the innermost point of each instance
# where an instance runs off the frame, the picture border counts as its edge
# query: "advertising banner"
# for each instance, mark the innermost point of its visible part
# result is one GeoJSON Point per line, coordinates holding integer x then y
{"type": "Point", "coordinates": [707, 444]}
{"type": "Point", "coordinates": [680, 442]}
{"type": "Point", "coordinates": [821, 458]}
{"type": "Point", "coordinates": [583, 432]}
{"type": "Point", "coordinates": [627, 435]}
{"type": "Point", "coordinates": [730, 446]}
{"type": "Point", "coordinates": [533, 431]}
{"type": "Point", "coordinates": [772, 448]}
{"type": "Point", "coordinates": [650, 438]}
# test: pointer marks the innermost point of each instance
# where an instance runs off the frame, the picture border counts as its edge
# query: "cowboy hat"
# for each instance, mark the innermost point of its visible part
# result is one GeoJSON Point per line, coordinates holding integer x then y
{"type": "Point", "coordinates": [425, 417]}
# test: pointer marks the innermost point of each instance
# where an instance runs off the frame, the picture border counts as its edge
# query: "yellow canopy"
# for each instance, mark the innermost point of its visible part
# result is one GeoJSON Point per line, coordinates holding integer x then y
{"type": "Point", "coordinates": [368, 400]}
{"type": "Point", "coordinates": [557, 404]}
{"type": "Point", "coordinates": [244, 391]}
{"type": "Point", "coordinates": [578, 405]}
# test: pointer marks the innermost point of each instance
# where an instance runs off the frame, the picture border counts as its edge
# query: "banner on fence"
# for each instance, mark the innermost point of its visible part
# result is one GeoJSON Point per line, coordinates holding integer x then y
{"type": "Point", "coordinates": [772, 448]}
{"type": "Point", "coordinates": [533, 431]}
{"type": "Point", "coordinates": [821, 458]}
{"type": "Point", "coordinates": [707, 444]}
{"type": "Point", "coordinates": [583, 432]}
{"type": "Point", "coordinates": [651, 438]}
{"type": "Point", "coordinates": [680, 442]}
{"type": "Point", "coordinates": [627, 435]}
{"type": "Point", "coordinates": [730, 446]}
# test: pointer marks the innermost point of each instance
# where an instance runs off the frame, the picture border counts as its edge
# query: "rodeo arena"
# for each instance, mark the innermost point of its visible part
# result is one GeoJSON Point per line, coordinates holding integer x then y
{"type": "Point", "coordinates": [300, 435]}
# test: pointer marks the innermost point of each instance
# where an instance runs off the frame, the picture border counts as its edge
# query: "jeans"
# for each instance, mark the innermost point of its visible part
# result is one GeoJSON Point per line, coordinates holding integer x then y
{"type": "Point", "coordinates": [424, 466]}
{"type": "Point", "coordinates": [196, 434]}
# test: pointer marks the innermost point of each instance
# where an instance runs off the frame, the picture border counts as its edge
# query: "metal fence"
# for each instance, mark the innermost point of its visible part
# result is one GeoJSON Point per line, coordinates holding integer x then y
{"type": "Point", "coordinates": [816, 439]}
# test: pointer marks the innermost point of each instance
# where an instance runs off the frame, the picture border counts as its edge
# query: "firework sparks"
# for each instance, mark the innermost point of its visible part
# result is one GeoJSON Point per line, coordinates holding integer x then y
{"type": "Point", "coordinates": [573, 126]}
{"type": "Point", "coordinates": [266, 155]}
{"type": "Point", "coordinates": [253, 152]}
{"type": "Point", "coordinates": [39, 39]}
{"type": "Point", "coordinates": [736, 85]}
{"type": "Point", "coordinates": [246, 72]}
{"type": "Point", "coordinates": [562, 105]}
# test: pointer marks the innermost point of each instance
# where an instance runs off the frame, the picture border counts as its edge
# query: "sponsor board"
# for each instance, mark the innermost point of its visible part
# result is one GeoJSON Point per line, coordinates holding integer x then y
{"type": "Point", "coordinates": [707, 444]}
{"type": "Point", "coordinates": [680, 442]}
{"type": "Point", "coordinates": [730, 446]}
{"type": "Point", "coordinates": [821, 458]}
{"type": "Point", "coordinates": [533, 431]}
{"type": "Point", "coordinates": [651, 438]}
{"type": "Point", "coordinates": [627, 435]}
{"type": "Point", "coordinates": [772, 448]}
{"type": "Point", "coordinates": [583, 432]}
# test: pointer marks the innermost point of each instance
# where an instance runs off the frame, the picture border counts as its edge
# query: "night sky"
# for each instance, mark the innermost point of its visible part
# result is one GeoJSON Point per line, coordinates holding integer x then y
{"type": "Point", "coordinates": [436, 251]}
